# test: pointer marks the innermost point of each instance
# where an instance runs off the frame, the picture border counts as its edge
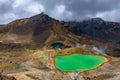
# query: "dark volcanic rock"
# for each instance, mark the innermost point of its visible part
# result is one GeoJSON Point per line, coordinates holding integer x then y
{"type": "Point", "coordinates": [113, 49]}
{"type": "Point", "coordinates": [98, 29]}
{"type": "Point", "coordinates": [3, 77]}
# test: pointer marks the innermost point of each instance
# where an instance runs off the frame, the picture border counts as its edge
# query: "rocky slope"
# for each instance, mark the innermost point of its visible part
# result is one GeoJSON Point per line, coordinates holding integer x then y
{"type": "Point", "coordinates": [96, 28]}
{"type": "Point", "coordinates": [42, 30]}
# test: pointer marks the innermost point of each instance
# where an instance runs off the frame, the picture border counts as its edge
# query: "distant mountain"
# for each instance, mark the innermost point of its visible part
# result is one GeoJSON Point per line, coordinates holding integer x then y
{"type": "Point", "coordinates": [96, 28]}
{"type": "Point", "coordinates": [43, 30]}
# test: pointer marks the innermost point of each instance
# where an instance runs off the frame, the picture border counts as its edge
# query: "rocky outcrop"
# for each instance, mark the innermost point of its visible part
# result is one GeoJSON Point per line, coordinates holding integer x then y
{"type": "Point", "coordinates": [113, 49]}
{"type": "Point", "coordinates": [3, 77]}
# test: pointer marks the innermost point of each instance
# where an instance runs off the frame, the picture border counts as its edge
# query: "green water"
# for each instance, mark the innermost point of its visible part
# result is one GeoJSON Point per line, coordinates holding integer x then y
{"type": "Point", "coordinates": [42, 57]}
{"type": "Point", "coordinates": [78, 62]}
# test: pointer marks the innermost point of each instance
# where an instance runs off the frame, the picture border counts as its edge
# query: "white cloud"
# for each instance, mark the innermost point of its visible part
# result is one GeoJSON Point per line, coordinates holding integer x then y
{"type": "Point", "coordinates": [60, 12]}
{"type": "Point", "coordinates": [109, 15]}
{"type": "Point", "coordinates": [3, 1]}
{"type": "Point", "coordinates": [35, 8]}
{"type": "Point", "coordinates": [60, 9]}
{"type": "Point", "coordinates": [9, 17]}
{"type": "Point", "coordinates": [21, 3]}
{"type": "Point", "coordinates": [28, 5]}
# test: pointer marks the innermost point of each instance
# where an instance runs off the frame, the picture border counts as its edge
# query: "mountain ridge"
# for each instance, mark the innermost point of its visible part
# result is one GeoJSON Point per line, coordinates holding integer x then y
{"type": "Point", "coordinates": [43, 30]}
{"type": "Point", "coordinates": [90, 27]}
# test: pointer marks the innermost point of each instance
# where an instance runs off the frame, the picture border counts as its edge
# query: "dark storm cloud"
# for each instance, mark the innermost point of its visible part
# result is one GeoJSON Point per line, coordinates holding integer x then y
{"type": "Point", "coordinates": [92, 7]}
{"type": "Point", "coordinates": [86, 8]}
{"type": "Point", "coordinates": [60, 9]}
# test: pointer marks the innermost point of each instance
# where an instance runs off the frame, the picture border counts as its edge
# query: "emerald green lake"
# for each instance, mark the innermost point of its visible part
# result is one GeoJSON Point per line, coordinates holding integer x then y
{"type": "Point", "coordinates": [79, 62]}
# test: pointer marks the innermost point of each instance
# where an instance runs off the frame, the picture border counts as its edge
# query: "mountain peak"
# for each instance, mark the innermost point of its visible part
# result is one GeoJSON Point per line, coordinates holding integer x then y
{"type": "Point", "coordinates": [41, 14]}
{"type": "Point", "coordinates": [95, 20]}
{"type": "Point", "coordinates": [40, 17]}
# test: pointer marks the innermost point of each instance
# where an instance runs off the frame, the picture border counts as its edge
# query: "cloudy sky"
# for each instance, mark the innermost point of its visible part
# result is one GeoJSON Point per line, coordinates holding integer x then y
{"type": "Point", "coordinates": [60, 9]}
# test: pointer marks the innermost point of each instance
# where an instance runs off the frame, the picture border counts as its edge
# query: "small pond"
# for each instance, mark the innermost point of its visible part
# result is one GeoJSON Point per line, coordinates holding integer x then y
{"type": "Point", "coordinates": [57, 45]}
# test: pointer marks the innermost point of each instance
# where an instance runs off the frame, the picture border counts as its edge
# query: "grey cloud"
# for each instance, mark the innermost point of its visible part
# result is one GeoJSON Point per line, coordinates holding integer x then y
{"type": "Point", "coordinates": [5, 6]}
{"type": "Point", "coordinates": [92, 6]}
{"type": "Point", "coordinates": [81, 9]}
{"type": "Point", "coordinates": [61, 9]}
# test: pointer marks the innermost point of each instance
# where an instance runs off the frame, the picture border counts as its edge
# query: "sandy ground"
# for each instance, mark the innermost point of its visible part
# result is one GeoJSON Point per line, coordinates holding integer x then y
{"type": "Point", "coordinates": [44, 69]}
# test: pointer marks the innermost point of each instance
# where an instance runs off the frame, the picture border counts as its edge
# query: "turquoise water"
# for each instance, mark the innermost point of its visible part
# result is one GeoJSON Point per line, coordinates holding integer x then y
{"type": "Point", "coordinates": [57, 45]}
